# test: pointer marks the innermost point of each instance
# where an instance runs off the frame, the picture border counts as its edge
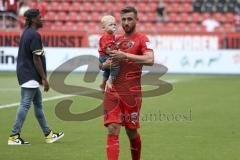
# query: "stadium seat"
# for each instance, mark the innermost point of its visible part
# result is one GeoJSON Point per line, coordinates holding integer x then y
{"type": "Point", "coordinates": [228, 27]}
{"type": "Point", "coordinates": [92, 26]}
{"type": "Point", "coordinates": [196, 17]}
{"type": "Point", "coordinates": [73, 16]}
{"type": "Point", "coordinates": [87, 6]}
{"type": "Point", "coordinates": [142, 7]}
{"type": "Point", "coordinates": [84, 16]}
{"type": "Point", "coordinates": [184, 17]}
{"type": "Point", "coordinates": [160, 26]}
{"type": "Point", "coordinates": [57, 26]}
{"type": "Point", "coordinates": [95, 16]}
{"type": "Point", "coordinates": [50, 16]}
{"type": "Point", "coordinates": [186, 7]}
{"type": "Point", "coordinates": [69, 26]}
{"type": "Point", "coordinates": [205, 16]}
{"type": "Point", "coordinates": [151, 16]}
{"type": "Point", "coordinates": [219, 17]}
{"type": "Point", "coordinates": [181, 27]}
{"type": "Point", "coordinates": [152, 7]}
{"type": "Point", "coordinates": [61, 16]}
{"type": "Point", "coordinates": [64, 6]}
{"type": "Point", "coordinates": [119, 6]}
{"type": "Point", "coordinates": [98, 7]}
{"type": "Point", "coordinates": [54, 6]}
{"type": "Point", "coordinates": [75, 7]}
{"type": "Point", "coordinates": [80, 26]}
{"type": "Point", "coordinates": [173, 17]}
{"type": "Point", "coordinates": [171, 27]}
{"type": "Point", "coordinates": [229, 17]}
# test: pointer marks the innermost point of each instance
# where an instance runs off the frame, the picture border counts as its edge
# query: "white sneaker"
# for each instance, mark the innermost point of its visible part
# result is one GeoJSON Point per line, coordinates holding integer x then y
{"type": "Point", "coordinates": [16, 140]}
{"type": "Point", "coordinates": [53, 137]}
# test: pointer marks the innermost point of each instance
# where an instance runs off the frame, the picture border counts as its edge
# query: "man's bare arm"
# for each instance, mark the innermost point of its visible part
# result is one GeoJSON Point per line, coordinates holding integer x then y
{"type": "Point", "coordinates": [38, 64]}
{"type": "Point", "coordinates": [146, 59]}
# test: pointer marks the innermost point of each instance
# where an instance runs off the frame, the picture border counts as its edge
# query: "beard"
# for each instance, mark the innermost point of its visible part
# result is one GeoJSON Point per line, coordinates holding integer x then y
{"type": "Point", "coordinates": [128, 29]}
{"type": "Point", "coordinates": [39, 24]}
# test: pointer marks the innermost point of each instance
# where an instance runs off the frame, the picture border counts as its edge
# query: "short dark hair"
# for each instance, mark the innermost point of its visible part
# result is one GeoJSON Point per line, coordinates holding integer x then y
{"type": "Point", "coordinates": [29, 14]}
{"type": "Point", "coordinates": [128, 9]}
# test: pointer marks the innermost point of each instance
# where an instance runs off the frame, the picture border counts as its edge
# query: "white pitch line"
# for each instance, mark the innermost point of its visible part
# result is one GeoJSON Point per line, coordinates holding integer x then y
{"type": "Point", "coordinates": [62, 96]}
{"type": "Point", "coordinates": [44, 100]}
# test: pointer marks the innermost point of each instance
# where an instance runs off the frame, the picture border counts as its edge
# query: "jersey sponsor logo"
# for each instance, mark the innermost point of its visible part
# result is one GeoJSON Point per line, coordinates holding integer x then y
{"type": "Point", "coordinates": [149, 45]}
{"type": "Point", "coordinates": [134, 117]}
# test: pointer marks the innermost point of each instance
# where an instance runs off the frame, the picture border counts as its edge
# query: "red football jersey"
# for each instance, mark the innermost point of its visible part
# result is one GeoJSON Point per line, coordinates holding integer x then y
{"type": "Point", "coordinates": [106, 41]}
{"type": "Point", "coordinates": [128, 81]}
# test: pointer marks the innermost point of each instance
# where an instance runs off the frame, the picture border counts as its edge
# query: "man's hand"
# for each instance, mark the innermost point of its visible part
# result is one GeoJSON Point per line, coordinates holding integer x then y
{"type": "Point", "coordinates": [45, 85]}
{"type": "Point", "coordinates": [109, 63]}
{"type": "Point", "coordinates": [118, 55]}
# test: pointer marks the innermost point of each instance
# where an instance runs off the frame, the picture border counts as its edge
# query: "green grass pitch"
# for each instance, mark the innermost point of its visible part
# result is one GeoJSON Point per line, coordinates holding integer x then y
{"type": "Point", "coordinates": [202, 122]}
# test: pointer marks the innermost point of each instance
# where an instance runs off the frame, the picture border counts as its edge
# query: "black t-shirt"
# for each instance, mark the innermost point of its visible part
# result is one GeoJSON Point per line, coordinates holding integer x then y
{"type": "Point", "coordinates": [30, 43]}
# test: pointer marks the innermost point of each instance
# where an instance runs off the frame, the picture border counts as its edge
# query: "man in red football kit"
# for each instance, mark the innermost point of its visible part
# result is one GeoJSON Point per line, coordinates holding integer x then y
{"type": "Point", "coordinates": [122, 102]}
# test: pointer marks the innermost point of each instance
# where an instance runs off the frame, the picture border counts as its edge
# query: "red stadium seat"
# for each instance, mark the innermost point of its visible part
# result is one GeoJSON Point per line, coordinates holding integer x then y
{"type": "Point", "coordinates": [92, 26]}
{"type": "Point", "coordinates": [119, 6]}
{"type": "Point", "coordinates": [50, 16]}
{"type": "Point", "coordinates": [69, 26]}
{"type": "Point", "coordinates": [175, 7]}
{"type": "Point", "coordinates": [32, 5]}
{"type": "Point", "coordinates": [99, 7]}
{"type": "Point", "coordinates": [181, 27]}
{"type": "Point", "coordinates": [186, 7]}
{"type": "Point", "coordinates": [228, 27]}
{"type": "Point", "coordinates": [141, 7]}
{"type": "Point", "coordinates": [151, 17]}
{"type": "Point", "coordinates": [149, 27]}
{"type": "Point", "coordinates": [219, 17]}
{"type": "Point", "coordinates": [173, 17]}
{"type": "Point", "coordinates": [160, 26]}
{"type": "Point", "coordinates": [64, 6]}
{"type": "Point", "coordinates": [109, 6]}
{"type": "Point", "coordinates": [142, 17]}
{"type": "Point", "coordinates": [184, 17]}
{"type": "Point", "coordinates": [57, 26]}
{"type": "Point", "coordinates": [80, 26]}
{"type": "Point", "coordinates": [194, 27]}
{"type": "Point", "coordinates": [205, 16]}
{"type": "Point", "coordinates": [87, 6]}
{"type": "Point", "coordinates": [171, 27]}
{"type": "Point", "coordinates": [229, 17]}
{"type": "Point", "coordinates": [73, 16]}
{"type": "Point", "coordinates": [196, 17]}
{"type": "Point", "coordinates": [75, 7]}
{"type": "Point", "coordinates": [54, 6]}
{"type": "Point", "coordinates": [152, 7]}
{"type": "Point", "coordinates": [95, 16]}
{"type": "Point", "coordinates": [84, 16]}
{"type": "Point", "coordinates": [117, 15]}
{"type": "Point", "coordinates": [61, 16]}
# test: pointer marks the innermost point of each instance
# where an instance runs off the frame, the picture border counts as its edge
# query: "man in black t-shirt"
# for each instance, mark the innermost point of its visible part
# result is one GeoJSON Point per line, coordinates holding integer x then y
{"type": "Point", "coordinates": [31, 73]}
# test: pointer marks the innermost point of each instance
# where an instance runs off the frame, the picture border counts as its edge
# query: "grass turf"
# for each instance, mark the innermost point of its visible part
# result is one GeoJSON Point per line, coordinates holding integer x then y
{"type": "Point", "coordinates": [197, 120]}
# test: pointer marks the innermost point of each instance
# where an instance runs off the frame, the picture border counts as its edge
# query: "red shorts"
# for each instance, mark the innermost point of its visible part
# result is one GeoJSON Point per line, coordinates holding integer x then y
{"type": "Point", "coordinates": [122, 109]}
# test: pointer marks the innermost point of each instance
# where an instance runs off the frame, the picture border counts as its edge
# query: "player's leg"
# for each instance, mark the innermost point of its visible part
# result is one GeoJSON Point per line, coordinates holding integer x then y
{"type": "Point", "coordinates": [106, 72]}
{"type": "Point", "coordinates": [50, 136]}
{"type": "Point", "coordinates": [27, 95]}
{"type": "Point", "coordinates": [112, 121]}
{"type": "Point", "coordinates": [37, 102]}
{"type": "Point", "coordinates": [113, 141]}
{"type": "Point", "coordinates": [135, 143]}
{"type": "Point", "coordinates": [132, 106]}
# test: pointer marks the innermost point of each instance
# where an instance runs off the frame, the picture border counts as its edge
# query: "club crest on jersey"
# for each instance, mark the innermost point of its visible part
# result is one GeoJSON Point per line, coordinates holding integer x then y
{"type": "Point", "coordinates": [125, 44]}
{"type": "Point", "coordinates": [130, 44]}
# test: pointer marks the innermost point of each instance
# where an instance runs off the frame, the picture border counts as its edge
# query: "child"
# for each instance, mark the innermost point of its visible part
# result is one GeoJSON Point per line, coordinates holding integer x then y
{"type": "Point", "coordinates": [107, 43]}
